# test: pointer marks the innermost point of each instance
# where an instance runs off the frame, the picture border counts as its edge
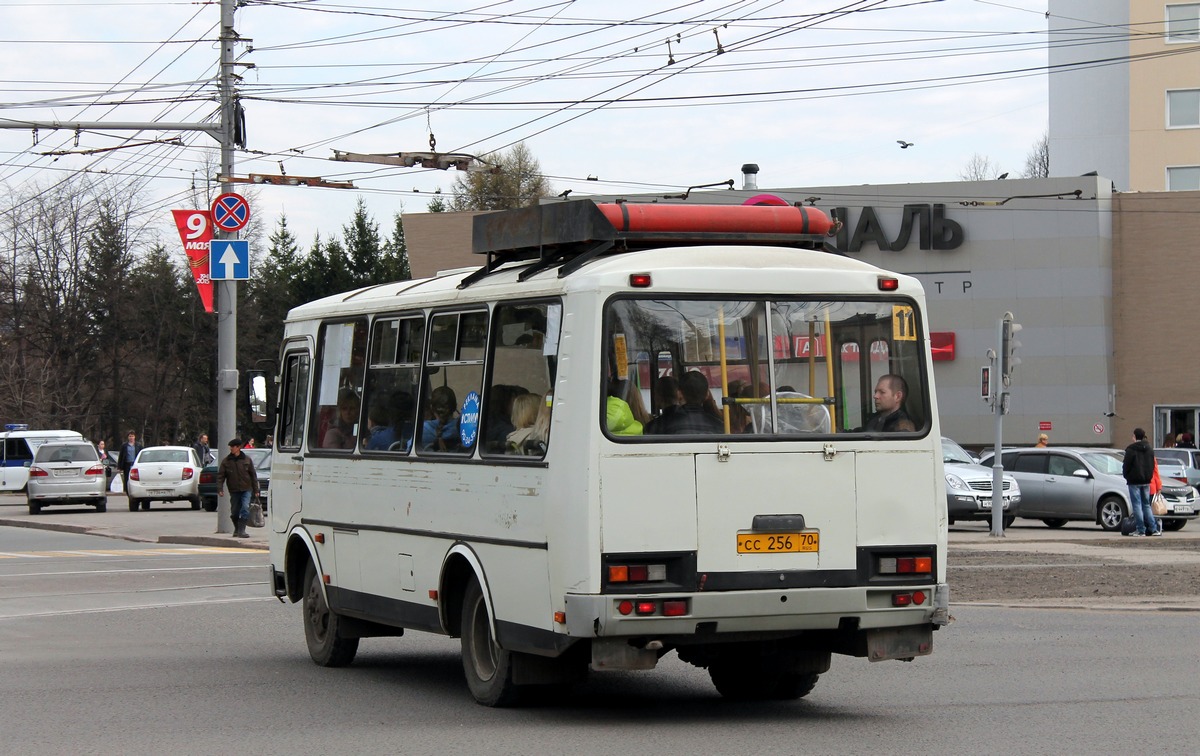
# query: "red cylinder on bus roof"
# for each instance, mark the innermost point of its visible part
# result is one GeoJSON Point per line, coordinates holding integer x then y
{"type": "Point", "coordinates": [750, 219]}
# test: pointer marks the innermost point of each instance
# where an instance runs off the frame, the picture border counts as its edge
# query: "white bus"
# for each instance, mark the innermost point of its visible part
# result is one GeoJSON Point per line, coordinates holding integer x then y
{"type": "Point", "coordinates": [18, 445]}
{"type": "Point", "coordinates": [616, 439]}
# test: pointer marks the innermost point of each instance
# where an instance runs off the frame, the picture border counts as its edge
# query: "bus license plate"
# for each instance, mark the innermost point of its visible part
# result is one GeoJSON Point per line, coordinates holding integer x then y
{"type": "Point", "coordinates": [778, 543]}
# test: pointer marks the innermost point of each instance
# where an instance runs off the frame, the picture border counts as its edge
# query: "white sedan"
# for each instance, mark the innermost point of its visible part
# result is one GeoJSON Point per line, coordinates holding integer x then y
{"type": "Point", "coordinates": [164, 473]}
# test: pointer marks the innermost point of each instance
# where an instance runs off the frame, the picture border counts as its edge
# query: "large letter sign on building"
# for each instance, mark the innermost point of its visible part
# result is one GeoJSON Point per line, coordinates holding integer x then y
{"type": "Point", "coordinates": [195, 231]}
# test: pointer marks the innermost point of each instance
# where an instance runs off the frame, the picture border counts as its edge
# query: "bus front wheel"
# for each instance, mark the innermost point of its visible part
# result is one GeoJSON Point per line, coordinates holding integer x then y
{"type": "Point", "coordinates": [326, 645]}
{"type": "Point", "coordinates": [488, 668]}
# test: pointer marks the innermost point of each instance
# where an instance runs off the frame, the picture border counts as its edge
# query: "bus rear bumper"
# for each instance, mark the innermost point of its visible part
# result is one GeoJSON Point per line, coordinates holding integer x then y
{"type": "Point", "coordinates": [750, 612]}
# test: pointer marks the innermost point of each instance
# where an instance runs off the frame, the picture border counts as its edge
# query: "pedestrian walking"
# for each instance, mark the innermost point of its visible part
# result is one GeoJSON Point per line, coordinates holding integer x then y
{"type": "Point", "coordinates": [203, 453]}
{"type": "Point", "coordinates": [129, 451]}
{"type": "Point", "coordinates": [237, 472]}
{"type": "Point", "coordinates": [1138, 469]}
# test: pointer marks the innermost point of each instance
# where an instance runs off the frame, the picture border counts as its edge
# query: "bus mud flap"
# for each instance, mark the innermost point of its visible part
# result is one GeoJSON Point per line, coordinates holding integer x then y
{"type": "Point", "coordinates": [616, 653]}
{"type": "Point", "coordinates": [899, 643]}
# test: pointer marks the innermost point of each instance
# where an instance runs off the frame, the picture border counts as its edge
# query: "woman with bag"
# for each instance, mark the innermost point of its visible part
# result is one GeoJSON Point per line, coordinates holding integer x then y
{"type": "Point", "coordinates": [1158, 505]}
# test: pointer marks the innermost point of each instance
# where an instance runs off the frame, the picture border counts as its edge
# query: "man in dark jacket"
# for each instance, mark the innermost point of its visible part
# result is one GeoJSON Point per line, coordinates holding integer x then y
{"type": "Point", "coordinates": [889, 416]}
{"type": "Point", "coordinates": [125, 459]}
{"type": "Point", "coordinates": [691, 417]}
{"type": "Point", "coordinates": [1138, 469]}
{"type": "Point", "coordinates": [238, 472]}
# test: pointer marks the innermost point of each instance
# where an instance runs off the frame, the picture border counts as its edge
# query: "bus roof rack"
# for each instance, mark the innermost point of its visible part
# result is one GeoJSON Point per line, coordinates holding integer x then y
{"type": "Point", "coordinates": [568, 235]}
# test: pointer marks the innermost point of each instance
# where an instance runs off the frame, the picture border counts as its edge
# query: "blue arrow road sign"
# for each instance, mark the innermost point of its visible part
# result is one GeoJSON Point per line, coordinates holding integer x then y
{"type": "Point", "coordinates": [229, 260]}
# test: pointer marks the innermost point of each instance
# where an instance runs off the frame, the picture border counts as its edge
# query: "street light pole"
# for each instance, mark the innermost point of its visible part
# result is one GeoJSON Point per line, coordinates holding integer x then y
{"type": "Point", "coordinates": [226, 290]}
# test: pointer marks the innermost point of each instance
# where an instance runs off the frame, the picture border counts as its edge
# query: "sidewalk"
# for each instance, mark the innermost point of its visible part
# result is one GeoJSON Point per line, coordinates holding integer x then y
{"type": "Point", "coordinates": [175, 522]}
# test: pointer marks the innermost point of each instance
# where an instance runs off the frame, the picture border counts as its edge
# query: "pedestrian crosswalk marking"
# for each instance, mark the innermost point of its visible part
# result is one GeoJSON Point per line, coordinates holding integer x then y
{"type": "Point", "coordinates": [176, 551]}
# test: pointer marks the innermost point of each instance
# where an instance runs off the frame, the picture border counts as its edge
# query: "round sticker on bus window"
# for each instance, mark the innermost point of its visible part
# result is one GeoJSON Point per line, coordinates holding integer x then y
{"type": "Point", "coordinates": [468, 422]}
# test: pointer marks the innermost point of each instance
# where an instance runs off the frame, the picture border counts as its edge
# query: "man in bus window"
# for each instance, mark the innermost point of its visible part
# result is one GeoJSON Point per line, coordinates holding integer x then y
{"type": "Point", "coordinates": [890, 417]}
{"type": "Point", "coordinates": [692, 416]}
{"type": "Point", "coordinates": [440, 433]}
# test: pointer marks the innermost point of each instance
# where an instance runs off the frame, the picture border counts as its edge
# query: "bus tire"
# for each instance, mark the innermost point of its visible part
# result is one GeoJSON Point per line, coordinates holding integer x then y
{"type": "Point", "coordinates": [487, 667]}
{"type": "Point", "coordinates": [326, 645]}
{"type": "Point", "coordinates": [753, 677]}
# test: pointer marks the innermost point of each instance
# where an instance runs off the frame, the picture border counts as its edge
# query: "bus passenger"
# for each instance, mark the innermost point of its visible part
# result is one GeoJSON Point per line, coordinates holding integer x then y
{"type": "Point", "coordinates": [498, 422]}
{"type": "Point", "coordinates": [618, 415]}
{"type": "Point", "coordinates": [440, 433]}
{"type": "Point", "coordinates": [524, 415]}
{"type": "Point", "coordinates": [692, 417]}
{"type": "Point", "coordinates": [668, 398]}
{"type": "Point", "coordinates": [379, 426]}
{"type": "Point", "coordinates": [341, 433]}
{"type": "Point", "coordinates": [889, 416]}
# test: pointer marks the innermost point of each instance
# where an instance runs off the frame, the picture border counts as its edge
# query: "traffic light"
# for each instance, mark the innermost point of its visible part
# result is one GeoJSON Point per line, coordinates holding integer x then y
{"type": "Point", "coordinates": [1008, 348]}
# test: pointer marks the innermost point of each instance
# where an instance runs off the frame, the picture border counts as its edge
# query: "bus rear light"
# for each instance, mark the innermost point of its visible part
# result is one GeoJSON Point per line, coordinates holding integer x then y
{"type": "Point", "coordinates": [646, 607]}
{"type": "Point", "coordinates": [637, 573]}
{"type": "Point", "coordinates": [560, 618]}
{"type": "Point", "coordinates": [625, 607]}
{"type": "Point", "coordinates": [888, 284]}
{"type": "Point", "coordinates": [919, 598]}
{"type": "Point", "coordinates": [433, 595]}
{"type": "Point", "coordinates": [639, 280]}
{"type": "Point", "coordinates": [37, 472]}
{"type": "Point", "coordinates": [905, 565]}
{"type": "Point", "coordinates": [675, 608]}
{"type": "Point", "coordinates": [901, 599]}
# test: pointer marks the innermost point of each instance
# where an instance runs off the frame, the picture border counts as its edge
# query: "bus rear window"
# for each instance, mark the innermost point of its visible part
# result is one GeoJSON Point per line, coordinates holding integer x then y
{"type": "Point", "coordinates": [685, 367]}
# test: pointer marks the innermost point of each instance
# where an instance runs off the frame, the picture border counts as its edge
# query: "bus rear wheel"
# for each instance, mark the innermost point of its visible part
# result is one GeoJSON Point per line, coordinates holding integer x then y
{"type": "Point", "coordinates": [487, 667]}
{"type": "Point", "coordinates": [749, 677]}
{"type": "Point", "coordinates": [326, 645]}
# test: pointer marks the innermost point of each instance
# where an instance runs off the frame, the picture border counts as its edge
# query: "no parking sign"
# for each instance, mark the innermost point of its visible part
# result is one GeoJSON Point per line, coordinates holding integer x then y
{"type": "Point", "coordinates": [230, 212]}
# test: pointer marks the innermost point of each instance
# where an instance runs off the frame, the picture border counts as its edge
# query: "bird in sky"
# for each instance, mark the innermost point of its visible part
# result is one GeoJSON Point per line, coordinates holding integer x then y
{"type": "Point", "coordinates": [903, 144]}
{"type": "Point", "coordinates": [1002, 176]}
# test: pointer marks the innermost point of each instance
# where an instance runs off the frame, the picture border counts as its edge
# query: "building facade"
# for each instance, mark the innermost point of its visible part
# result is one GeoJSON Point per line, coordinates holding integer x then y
{"type": "Point", "coordinates": [1125, 92]}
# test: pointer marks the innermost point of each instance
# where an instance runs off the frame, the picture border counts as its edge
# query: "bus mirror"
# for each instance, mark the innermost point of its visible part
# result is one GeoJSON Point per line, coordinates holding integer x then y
{"type": "Point", "coordinates": [259, 408]}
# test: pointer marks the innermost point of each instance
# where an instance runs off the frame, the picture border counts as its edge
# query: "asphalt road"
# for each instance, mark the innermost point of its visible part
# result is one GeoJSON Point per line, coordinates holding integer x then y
{"type": "Point", "coordinates": [109, 646]}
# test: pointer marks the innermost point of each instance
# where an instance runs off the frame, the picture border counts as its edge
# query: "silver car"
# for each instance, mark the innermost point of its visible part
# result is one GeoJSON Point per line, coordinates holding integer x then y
{"type": "Point", "coordinates": [1188, 458]}
{"type": "Point", "coordinates": [969, 487]}
{"type": "Point", "coordinates": [1064, 483]}
{"type": "Point", "coordinates": [66, 472]}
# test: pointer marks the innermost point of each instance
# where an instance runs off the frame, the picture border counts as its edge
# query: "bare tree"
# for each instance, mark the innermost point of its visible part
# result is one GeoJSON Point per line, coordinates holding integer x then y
{"type": "Point", "coordinates": [1037, 162]}
{"type": "Point", "coordinates": [980, 168]}
{"type": "Point", "coordinates": [517, 182]}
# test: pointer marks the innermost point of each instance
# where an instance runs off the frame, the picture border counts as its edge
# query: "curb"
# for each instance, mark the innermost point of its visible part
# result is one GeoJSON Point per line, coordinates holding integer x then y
{"type": "Point", "coordinates": [219, 541]}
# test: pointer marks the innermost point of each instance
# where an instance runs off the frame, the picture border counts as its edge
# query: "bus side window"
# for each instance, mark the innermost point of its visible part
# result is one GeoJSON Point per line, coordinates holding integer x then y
{"type": "Point", "coordinates": [392, 379]}
{"type": "Point", "coordinates": [338, 389]}
{"type": "Point", "coordinates": [293, 414]}
{"type": "Point", "coordinates": [522, 365]}
{"type": "Point", "coordinates": [450, 407]}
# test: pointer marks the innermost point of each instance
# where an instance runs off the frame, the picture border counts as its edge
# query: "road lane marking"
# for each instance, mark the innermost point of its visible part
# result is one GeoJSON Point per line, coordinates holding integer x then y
{"type": "Point", "coordinates": [177, 551]}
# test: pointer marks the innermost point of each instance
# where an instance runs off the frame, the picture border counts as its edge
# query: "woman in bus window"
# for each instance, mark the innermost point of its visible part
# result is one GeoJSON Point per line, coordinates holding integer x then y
{"type": "Point", "coordinates": [341, 434]}
{"type": "Point", "coordinates": [524, 415]}
{"type": "Point", "coordinates": [440, 433]}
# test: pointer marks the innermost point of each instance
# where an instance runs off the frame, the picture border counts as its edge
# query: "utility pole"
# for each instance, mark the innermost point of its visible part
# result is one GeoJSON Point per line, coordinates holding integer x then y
{"type": "Point", "coordinates": [226, 305]}
{"type": "Point", "coordinates": [226, 291]}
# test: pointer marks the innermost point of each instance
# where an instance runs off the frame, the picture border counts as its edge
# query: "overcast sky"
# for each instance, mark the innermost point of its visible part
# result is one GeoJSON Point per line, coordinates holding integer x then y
{"type": "Point", "coordinates": [816, 92]}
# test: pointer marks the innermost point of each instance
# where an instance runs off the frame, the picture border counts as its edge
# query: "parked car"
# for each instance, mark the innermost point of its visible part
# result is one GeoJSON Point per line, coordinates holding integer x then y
{"type": "Point", "coordinates": [1189, 458]}
{"type": "Point", "coordinates": [66, 472]}
{"type": "Point", "coordinates": [1064, 483]}
{"type": "Point", "coordinates": [969, 487]}
{"type": "Point", "coordinates": [262, 466]}
{"type": "Point", "coordinates": [164, 473]}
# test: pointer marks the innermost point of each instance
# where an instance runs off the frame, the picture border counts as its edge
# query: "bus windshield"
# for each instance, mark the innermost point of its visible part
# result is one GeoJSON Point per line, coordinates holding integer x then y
{"type": "Point", "coordinates": [765, 366]}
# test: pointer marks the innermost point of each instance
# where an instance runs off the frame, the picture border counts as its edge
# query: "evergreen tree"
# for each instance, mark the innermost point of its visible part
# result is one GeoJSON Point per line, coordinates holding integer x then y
{"type": "Point", "coordinates": [395, 253]}
{"type": "Point", "coordinates": [363, 247]}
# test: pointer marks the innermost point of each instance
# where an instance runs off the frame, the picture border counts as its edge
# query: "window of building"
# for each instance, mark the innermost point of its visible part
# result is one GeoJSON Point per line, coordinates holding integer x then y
{"type": "Point", "coordinates": [1183, 108]}
{"type": "Point", "coordinates": [1183, 178]}
{"type": "Point", "coordinates": [1183, 22]}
